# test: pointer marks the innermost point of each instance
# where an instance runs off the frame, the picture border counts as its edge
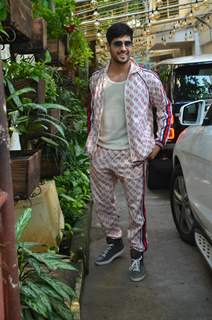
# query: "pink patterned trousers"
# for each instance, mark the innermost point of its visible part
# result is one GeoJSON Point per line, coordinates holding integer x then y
{"type": "Point", "coordinates": [107, 167]}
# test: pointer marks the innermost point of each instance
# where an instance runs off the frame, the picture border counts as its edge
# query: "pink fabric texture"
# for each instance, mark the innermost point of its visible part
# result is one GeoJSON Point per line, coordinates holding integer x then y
{"type": "Point", "coordinates": [109, 166]}
{"type": "Point", "coordinates": [143, 91]}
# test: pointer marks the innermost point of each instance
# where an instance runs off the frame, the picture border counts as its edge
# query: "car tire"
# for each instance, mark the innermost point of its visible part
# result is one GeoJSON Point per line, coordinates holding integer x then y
{"type": "Point", "coordinates": [181, 209]}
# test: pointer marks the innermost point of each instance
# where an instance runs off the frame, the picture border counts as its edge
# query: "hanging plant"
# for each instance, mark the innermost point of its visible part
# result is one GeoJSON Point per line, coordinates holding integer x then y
{"type": "Point", "coordinates": [79, 51]}
{"type": "Point", "coordinates": [35, 71]}
{"type": "Point", "coordinates": [57, 16]}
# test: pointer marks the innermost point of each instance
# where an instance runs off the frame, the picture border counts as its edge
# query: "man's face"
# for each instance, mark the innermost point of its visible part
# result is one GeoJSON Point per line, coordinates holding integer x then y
{"type": "Point", "coordinates": [120, 49]}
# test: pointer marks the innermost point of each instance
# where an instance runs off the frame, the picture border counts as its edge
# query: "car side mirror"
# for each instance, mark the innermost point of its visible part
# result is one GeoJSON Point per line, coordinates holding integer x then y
{"type": "Point", "coordinates": [192, 113]}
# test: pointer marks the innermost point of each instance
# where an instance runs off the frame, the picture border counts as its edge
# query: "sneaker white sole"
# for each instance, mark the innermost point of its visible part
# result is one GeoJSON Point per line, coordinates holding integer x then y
{"type": "Point", "coordinates": [137, 279]}
{"type": "Point", "coordinates": [111, 259]}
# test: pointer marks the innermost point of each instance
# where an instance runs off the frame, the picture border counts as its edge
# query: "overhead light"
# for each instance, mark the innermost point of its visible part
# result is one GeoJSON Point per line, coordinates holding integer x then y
{"type": "Point", "coordinates": [190, 14]}
{"type": "Point", "coordinates": [159, 3]}
{"type": "Point", "coordinates": [190, 35]}
{"type": "Point", "coordinates": [93, 3]}
{"type": "Point", "coordinates": [95, 14]}
{"type": "Point", "coordinates": [96, 23]}
{"type": "Point", "coordinates": [156, 14]}
{"type": "Point", "coordinates": [196, 4]}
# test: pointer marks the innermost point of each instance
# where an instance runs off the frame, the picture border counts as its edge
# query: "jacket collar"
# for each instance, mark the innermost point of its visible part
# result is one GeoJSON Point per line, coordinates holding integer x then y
{"type": "Point", "coordinates": [134, 68]}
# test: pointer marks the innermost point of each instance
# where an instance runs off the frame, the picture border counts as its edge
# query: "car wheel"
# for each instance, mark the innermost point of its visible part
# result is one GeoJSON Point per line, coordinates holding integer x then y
{"type": "Point", "coordinates": [180, 206]}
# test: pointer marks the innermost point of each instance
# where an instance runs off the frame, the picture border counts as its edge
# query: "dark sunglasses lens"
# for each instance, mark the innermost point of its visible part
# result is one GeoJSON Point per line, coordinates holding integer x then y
{"type": "Point", "coordinates": [128, 44]}
{"type": "Point", "coordinates": [120, 43]}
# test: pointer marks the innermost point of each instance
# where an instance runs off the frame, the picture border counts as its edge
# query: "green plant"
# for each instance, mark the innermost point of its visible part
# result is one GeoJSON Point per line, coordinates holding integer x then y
{"type": "Point", "coordinates": [3, 10]}
{"type": "Point", "coordinates": [61, 21]}
{"type": "Point", "coordinates": [35, 71]}
{"type": "Point", "coordinates": [76, 119]}
{"type": "Point", "coordinates": [3, 16]}
{"type": "Point", "coordinates": [43, 295]}
{"type": "Point", "coordinates": [73, 187]}
{"type": "Point", "coordinates": [57, 15]}
{"type": "Point", "coordinates": [31, 120]}
{"type": "Point", "coordinates": [79, 51]}
{"type": "Point", "coordinates": [74, 192]}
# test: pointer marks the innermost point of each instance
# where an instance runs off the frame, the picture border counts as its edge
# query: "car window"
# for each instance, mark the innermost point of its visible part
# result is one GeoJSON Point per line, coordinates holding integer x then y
{"type": "Point", "coordinates": [193, 82]}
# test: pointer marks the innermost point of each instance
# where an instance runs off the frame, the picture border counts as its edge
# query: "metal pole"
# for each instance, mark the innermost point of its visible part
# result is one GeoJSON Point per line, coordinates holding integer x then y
{"type": "Point", "coordinates": [7, 236]}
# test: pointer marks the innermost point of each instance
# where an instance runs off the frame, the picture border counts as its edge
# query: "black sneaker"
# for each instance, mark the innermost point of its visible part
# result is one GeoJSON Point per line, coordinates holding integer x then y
{"type": "Point", "coordinates": [136, 269]}
{"type": "Point", "coordinates": [114, 249]}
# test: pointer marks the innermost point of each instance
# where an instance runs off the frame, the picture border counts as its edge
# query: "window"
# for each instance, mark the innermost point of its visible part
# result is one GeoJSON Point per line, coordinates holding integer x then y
{"type": "Point", "coordinates": [193, 82]}
{"type": "Point", "coordinates": [169, 12]}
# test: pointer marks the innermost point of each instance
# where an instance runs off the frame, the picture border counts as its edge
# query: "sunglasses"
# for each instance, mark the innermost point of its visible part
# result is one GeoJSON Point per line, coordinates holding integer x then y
{"type": "Point", "coordinates": [119, 43]}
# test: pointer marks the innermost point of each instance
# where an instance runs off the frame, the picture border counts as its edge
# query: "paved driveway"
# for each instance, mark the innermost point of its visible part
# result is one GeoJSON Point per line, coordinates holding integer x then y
{"type": "Point", "coordinates": [178, 285]}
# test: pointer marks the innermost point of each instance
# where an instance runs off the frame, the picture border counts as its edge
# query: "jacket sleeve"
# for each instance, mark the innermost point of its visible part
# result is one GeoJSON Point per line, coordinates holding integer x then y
{"type": "Point", "coordinates": [89, 112]}
{"type": "Point", "coordinates": [89, 107]}
{"type": "Point", "coordinates": [160, 101]}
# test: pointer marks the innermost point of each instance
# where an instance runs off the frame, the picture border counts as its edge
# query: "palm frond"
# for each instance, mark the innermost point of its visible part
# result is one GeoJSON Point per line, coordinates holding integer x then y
{"type": "Point", "coordinates": [23, 222]}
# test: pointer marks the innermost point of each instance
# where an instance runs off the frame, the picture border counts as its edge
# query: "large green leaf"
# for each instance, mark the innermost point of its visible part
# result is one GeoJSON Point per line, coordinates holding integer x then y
{"type": "Point", "coordinates": [51, 292]}
{"type": "Point", "coordinates": [54, 136]}
{"type": "Point", "coordinates": [12, 91]}
{"type": "Point", "coordinates": [34, 106]}
{"type": "Point", "coordinates": [55, 106]}
{"type": "Point", "coordinates": [55, 120]}
{"type": "Point", "coordinates": [22, 222]}
{"type": "Point", "coordinates": [30, 245]}
{"type": "Point", "coordinates": [63, 311]}
{"type": "Point", "coordinates": [36, 305]}
{"type": "Point", "coordinates": [49, 141]}
{"type": "Point", "coordinates": [61, 288]}
{"type": "Point", "coordinates": [26, 314]}
{"type": "Point", "coordinates": [53, 261]}
{"type": "Point", "coordinates": [35, 265]}
{"type": "Point", "coordinates": [48, 58]}
{"type": "Point", "coordinates": [26, 291]}
{"type": "Point", "coordinates": [3, 32]}
{"type": "Point", "coordinates": [20, 92]}
{"type": "Point", "coordinates": [42, 305]}
{"type": "Point", "coordinates": [53, 123]}
{"type": "Point", "coordinates": [55, 316]}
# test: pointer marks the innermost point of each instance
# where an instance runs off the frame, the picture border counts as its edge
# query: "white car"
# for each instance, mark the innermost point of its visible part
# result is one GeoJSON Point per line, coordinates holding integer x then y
{"type": "Point", "coordinates": [191, 186]}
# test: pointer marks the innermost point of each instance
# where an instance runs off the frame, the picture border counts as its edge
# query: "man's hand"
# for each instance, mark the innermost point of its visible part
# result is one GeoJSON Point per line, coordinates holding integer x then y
{"type": "Point", "coordinates": [154, 152]}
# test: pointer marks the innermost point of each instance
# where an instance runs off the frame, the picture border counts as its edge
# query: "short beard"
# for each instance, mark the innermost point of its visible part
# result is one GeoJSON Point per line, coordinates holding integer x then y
{"type": "Point", "coordinates": [121, 62]}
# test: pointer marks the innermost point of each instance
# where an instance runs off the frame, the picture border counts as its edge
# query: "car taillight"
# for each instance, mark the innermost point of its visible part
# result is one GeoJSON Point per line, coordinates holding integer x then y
{"type": "Point", "coordinates": [171, 131]}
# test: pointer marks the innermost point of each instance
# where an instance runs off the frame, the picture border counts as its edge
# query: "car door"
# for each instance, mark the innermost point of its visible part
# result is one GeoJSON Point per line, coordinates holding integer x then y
{"type": "Point", "coordinates": [199, 179]}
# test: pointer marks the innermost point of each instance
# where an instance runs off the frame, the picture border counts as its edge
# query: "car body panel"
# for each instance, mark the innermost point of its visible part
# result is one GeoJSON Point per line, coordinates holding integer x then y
{"type": "Point", "coordinates": [194, 152]}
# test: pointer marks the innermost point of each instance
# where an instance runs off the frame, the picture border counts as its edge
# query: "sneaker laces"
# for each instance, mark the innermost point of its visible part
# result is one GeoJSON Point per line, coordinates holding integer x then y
{"type": "Point", "coordinates": [135, 265]}
{"type": "Point", "coordinates": [109, 247]}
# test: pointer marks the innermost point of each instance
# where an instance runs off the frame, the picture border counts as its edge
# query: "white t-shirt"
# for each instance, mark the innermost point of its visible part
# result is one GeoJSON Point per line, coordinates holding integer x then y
{"type": "Point", "coordinates": [113, 133]}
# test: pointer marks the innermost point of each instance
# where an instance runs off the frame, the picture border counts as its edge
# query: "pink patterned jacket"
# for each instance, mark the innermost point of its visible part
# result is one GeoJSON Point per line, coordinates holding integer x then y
{"type": "Point", "coordinates": [143, 90]}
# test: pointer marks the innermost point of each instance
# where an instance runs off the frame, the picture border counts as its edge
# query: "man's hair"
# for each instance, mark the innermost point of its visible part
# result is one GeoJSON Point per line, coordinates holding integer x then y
{"type": "Point", "coordinates": [118, 29]}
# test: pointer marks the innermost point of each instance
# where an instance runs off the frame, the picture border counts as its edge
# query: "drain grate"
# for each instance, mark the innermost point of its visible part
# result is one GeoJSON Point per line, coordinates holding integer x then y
{"type": "Point", "coordinates": [205, 247]}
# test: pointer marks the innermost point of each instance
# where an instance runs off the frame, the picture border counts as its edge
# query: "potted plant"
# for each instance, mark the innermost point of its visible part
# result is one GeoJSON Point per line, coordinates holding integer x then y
{"type": "Point", "coordinates": [29, 121]}
{"type": "Point", "coordinates": [43, 295]}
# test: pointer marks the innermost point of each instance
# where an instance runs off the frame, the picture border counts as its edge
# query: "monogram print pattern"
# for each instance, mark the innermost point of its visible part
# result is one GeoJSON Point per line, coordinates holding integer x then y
{"type": "Point", "coordinates": [109, 166]}
{"type": "Point", "coordinates": [143, 90]}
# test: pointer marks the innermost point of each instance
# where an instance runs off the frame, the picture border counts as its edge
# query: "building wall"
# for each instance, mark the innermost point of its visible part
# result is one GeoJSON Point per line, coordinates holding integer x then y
{"type": "Point", "coordinates": [191, 35]}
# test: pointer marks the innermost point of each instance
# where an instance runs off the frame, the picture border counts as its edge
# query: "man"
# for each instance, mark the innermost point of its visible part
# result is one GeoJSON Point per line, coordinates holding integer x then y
{"type": "Point", "coordinates": [120, 140]}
